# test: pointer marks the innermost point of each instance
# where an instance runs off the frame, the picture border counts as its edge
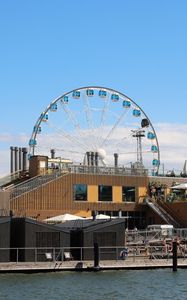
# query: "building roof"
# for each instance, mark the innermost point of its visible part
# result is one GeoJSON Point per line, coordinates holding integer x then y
{"type": "Point", "coordinates": [4, 219]}
{"type": "Point", "coordinates": [44, 225]}
{"type": "Point", "coordinates": [88, 225]}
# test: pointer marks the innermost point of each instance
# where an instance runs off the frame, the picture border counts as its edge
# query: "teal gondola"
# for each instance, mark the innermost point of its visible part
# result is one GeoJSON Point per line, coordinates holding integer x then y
{"type": "Point", "coordinates": [90, 93]}
{"type": "Point", "coordinates": [76, 94]}
{"type": "Point", "coordinates": [53, 107]}
{"type": "Point", "coordinates": [115, 97]}
{"type": "Point", "coordinates": [37, 129]}
{"type": "Point", "coordinates": [136, 113]}
{"type": "Point", "coordinates": [32, 142]}
{"type": "Point", "coordinates": [126, 104]}
{"type": "Point", "coordinates": [44, 117]}
{"type": "Point", "coordinates": [102, 94]}
{"type": "Point", "coordinates": [151, 136]}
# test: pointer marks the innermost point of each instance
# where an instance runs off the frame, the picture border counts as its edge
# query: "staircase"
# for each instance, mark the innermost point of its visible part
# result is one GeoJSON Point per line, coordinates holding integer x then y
{"type": "Point", "coordinates": [172, 213]}
{"type": "Point", "coordinates": [166, 217]}
{"type": "Point", "coordinates": [34, 183]}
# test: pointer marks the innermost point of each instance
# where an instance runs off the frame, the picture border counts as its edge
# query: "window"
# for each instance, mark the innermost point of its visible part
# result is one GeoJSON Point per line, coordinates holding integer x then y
{"type": "Point", "coordinates": [128, 193]}
{"type": "Point", "coordinates": [80, 192]}
{"type": "Point", "coordinates": [105, 193]}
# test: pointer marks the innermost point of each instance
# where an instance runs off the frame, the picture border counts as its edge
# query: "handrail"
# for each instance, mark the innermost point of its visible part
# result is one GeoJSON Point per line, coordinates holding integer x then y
{"type": "Point", "coordinates": [136, 252]}
{"type": "Point", "coordinates": [36, 182]}
{"type": "Point", "coordinates": [173, 214]}
{"type": "Point", "coordinates": [8, 178]}
{"type": "Point", "coordinates": [162, 213]}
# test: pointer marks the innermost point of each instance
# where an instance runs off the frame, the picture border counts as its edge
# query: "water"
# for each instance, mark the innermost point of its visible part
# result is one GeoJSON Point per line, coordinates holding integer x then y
{"type": "Point", "coordinates": [118, 285]}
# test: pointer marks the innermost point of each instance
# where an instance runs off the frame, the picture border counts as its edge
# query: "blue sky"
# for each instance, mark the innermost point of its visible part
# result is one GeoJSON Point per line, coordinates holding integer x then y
{"type": "Point", "coordinates": [136, 47]}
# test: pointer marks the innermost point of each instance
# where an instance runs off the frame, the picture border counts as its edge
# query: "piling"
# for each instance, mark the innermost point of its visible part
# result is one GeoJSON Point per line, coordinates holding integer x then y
{"type": "Point", "coordinates": [96, 256]}
{"type": "Point", "coordinates": [174, 256]}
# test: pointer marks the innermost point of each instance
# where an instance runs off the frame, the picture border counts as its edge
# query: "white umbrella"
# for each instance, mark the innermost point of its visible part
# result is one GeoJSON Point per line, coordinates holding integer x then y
{"type": "Point", "coordinates": [62, 218]}
{"type": "Point", "coordinates": [182, 186]}
{"type": "Point", "coordinates": [99, 217]}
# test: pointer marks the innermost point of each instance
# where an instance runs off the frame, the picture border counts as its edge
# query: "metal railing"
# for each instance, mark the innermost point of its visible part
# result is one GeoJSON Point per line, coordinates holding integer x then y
{"type": "Point", "coordinates": [107, 170]}
{"type": "Point", "coordinates": [52, 174]}
{"type": "Point", "coordinates": [162, 213]}
{"type": "Point", "coordinates": [61, 254]}
{"type": "Point", "coordinates": [10, 178]}
{"type": "Point", "coordinates": [34, 183]}
{"type": "Point", "coordinates": [146, 236]}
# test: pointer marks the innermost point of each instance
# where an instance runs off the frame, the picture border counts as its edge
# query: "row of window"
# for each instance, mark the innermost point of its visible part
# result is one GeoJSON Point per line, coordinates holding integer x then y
{"type": "Point", "coordinates": [104, 193]}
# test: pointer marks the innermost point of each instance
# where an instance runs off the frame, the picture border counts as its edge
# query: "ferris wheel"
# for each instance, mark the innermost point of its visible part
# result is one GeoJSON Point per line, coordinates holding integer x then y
{"type": "Point", "coordinates": [96, 120]}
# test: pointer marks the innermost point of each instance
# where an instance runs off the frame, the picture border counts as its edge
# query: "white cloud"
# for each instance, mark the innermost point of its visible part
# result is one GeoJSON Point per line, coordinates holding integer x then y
{"type": "Point", "coordinates": [172, 141]}
{"type": "Point", "coordinates": [4, 162]}
{"type": "Point", "coordinates": [7, 140]}
{"type": "Point", "coordinates": [173, 144]}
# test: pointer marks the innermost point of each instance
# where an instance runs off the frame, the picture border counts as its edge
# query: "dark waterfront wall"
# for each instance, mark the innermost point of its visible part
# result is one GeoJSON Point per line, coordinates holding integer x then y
{"type": "Point", "coordinates": [4, 238]}
{"type": "Point", "coordinates": [107, 235]}
{"type": "Point", "coordinates": [24, 233]}
{"type": "Point", "coordinates": [27, 233]}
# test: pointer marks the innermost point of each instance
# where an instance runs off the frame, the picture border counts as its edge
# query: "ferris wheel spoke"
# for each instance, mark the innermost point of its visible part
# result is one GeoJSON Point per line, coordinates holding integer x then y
{"type": "Point", "coordinates": [69, 151]}
{"type": "Point", "coordinates": [89, 119]}
{"type": "Point", "coordinates": [120, 118]}
{"type": "Point", "coordinates": [104, 112]}
{"type": "Point", "coordinates": [134, 152]}
{"type": "Point", "coordinates": [56, 148]}
{"type": "Point", "coordinates": [128, 136]}
{"type": "Point", "coordinates": [72, 118]}
{"type": "Point", "coordinates": [88, 113]}
{"type": "Point", "coordinates": [115, 145]}
{"type": "Point", "coordinates": [69, 137]}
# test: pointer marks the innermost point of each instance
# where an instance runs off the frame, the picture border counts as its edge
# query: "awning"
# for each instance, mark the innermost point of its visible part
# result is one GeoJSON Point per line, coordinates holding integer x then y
{"type": "Point", "coordinates": [62, 218]}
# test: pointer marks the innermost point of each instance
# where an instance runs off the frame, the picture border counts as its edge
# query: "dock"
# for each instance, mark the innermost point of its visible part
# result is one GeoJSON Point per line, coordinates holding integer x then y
{"type": "Point", "coordinates": [128, 264]}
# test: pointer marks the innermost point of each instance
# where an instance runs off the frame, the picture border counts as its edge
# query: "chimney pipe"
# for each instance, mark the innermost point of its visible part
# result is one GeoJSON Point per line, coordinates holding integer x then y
{"type": "Point", "coordinates": [88, 158]}
{"type": "Point", "coordinates": [53, 156]}
{"type": "Point", "coordinates": [92, 158]}
{"type": "Point", "coordinates": [16, 158]}
{"type": "Point", "coordinates": [96, 158]}
{"type": "Point", "coordinates": [24, 150]}
{"type": "Point", "coordinates": [11, 159]}
{"type": "Point", "coordinates": [52, 153]}
{"type": "Point", "coordinates": [115, 160]}
{"type": "Point", "coordinates": [20, 159]}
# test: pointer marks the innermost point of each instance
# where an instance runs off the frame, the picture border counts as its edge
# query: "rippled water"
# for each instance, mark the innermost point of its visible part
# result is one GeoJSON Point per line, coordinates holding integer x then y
{"type": "Point", "coordinates": [109, 285]}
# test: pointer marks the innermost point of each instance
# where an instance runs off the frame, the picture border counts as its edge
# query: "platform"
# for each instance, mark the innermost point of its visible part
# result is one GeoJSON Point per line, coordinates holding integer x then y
{"type": "Point", "coordinates": [128, 264]}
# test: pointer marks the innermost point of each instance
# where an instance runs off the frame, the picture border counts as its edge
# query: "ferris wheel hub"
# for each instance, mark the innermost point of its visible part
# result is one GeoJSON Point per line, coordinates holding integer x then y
{"type": "Point", "coordinates": [102, 153]}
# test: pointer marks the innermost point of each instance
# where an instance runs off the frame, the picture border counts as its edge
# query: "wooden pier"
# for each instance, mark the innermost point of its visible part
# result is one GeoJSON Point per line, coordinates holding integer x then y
{"type": "Point", "coordinates": [128, 264]}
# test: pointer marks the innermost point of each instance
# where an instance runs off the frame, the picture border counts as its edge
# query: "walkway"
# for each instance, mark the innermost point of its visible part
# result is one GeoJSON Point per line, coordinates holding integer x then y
{"type": "Point", "coordinates": [129, 263]}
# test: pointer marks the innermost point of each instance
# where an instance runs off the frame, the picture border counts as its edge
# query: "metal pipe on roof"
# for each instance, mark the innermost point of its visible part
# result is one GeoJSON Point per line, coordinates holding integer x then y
{"type": "Point", "coordinates": [24, 150]}
{"type": "Point", "coordinates": [115, 160]}
{"type": "Point", "coordinates": [16, 159]}
{"type": "Point", "coordinates": [92, 158]}
{"type": "Point", "coordinates": [20, 159]}
{"type": "Point", "coordinates": [96, 158]}
{"type": "Point", "coordinates": [11, 159]}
